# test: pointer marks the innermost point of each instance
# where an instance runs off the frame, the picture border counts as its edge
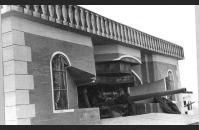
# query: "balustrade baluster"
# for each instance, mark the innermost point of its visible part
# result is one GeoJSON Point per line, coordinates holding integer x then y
{"type": "Point", "coordinates": [114, 31]}
{"type": "Point", "coordinates": [27, 10]}
{"type": "Point", "coordinates": [164, 50]}
{"type": "Point", "coordinates": [44, 12]}
{"type": "Point", "coordinates": [181, 52]}
{"type": "Point", "coordinates": [118, 32]}
{"type": "Point", "coordinates": [135, 37]}
{"type": "Point", "coordinates": [167, 48]}
{"type": "Point", "coordinates": [82, 17]}
{"type": "Point", "coordinates": [162, 43]}
{"type": "Point", "coordinates": [177, 49]}
{"type": "Point", "coordinates": [93, 23]}
{"type": "Point", "coordinates": [71, 15]}
{"type": "Point", "coordinates": [88, 22]}
{"type": "Point", "coordinates": [36, 12]}
{"type": "Point", "coordinates": [17, 8]}
{"type": "Point", "coordinates": [140, 38]}
{"type": "Point", "coordinates": [157, 44]}
{"type": "Point", "coordinates": [153, 45]}
{"type": "Point", "coordinates": [51, 10]}
{"type": "Point", "coordinates": [98, 24]}
{"type": "Point", "coordinates": [162, 46]}
{"type": "Point", "coordinates": [122, 33]}
{"type": "Point", "coordinates": [145, 40]}
{"type": "Point", "coordinates": [132, 36]}
{"type": "Point", "coordinates": [125, 34]}
{"type": "Point", "coordinates": [58, 11]}
{"type": "Point", "coordinates": [65, 15]}
{"type": "Point", "coordinates": [129, 35]}
{"type": "Point", "coordinates": [110, 29]}
{"type": "Point", "coordinates": [102, 26]}
{"type": "Point", "coordinates": [77, 17]}
{"type": "Point", "coordinates": [174, 50]}
{"type": "Point", "coordinates": [170, 51]}
{"type": "Point", "coordinates": [106, 27]}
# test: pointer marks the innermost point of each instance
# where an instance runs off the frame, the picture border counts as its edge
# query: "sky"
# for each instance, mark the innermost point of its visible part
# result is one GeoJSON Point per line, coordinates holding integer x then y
{"type": "Point", "coordinates": [174, 23]}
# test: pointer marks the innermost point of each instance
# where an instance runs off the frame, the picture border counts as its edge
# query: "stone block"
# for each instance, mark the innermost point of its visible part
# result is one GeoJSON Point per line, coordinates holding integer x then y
{"type": "Point", "coordinates": [15, 52]}
{"type": "Point", "coordinates": [18, 82]}
{"type": "Point", "coordinates": [18, 97]}
{"type": "Point", "coordinates": [25, 121]}
{"type": "Point", "coordinates": [15, 67]}
{"type": "Point", "coordinates": [13, 37]}
{"type": "Point", "coordinates": [19, 112]}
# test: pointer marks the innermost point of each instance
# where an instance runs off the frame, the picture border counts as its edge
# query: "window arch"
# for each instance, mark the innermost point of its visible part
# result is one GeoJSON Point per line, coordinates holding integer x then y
{"type": "Point", "coordinates": [170, 84]}
{"type": "Point", "coordinates": [58, 64]}
{"type": "Point", "coordinates": [137, 77]}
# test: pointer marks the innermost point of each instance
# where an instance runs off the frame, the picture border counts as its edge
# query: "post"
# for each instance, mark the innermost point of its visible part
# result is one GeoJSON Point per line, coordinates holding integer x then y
{"type": "Point", "coordinates": [2, 100]}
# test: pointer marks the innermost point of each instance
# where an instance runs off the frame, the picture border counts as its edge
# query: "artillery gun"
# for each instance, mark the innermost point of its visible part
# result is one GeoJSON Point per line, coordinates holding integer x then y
{"type": "Point", "coordinates": [127, 105]}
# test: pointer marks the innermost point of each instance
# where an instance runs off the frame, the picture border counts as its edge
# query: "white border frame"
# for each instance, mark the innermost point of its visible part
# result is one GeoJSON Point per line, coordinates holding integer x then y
{"type": "Point", "coordinates": [51, 73]}
{"type": "Point", "coordinates": [128, 56]}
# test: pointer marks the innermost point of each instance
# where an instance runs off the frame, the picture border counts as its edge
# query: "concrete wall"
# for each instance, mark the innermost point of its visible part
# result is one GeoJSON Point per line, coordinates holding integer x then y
{"type": "Point", "coordinates": [157, 86]}
{"type": "Point", "coordinates": [162, 64]}
{"type": "Point", "coordinates": [27, 50]}
{"type": "Point", "coordinates": [113, 51]}
{"type": "Point", "coordinates": [42, 49]}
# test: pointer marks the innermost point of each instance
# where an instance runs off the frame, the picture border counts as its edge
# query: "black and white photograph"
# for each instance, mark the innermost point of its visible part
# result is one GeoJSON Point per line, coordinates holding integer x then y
{"type": "Point", "coordinates": [99, 64]}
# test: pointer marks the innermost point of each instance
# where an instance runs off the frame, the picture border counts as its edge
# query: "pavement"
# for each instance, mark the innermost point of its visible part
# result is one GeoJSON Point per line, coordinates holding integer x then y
{"type": "Point", "coordinates": [152, 119]}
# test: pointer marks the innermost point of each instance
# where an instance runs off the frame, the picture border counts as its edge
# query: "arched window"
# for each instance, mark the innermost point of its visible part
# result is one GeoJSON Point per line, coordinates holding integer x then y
{"type": "Point", "coordinates": [59, 65]}
{"type": "Point", "coordinates": [170, 84]}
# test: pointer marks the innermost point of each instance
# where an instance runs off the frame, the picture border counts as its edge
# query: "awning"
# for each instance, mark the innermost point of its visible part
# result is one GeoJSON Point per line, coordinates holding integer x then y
{"type": "Point", "coordinates": [116, 57]}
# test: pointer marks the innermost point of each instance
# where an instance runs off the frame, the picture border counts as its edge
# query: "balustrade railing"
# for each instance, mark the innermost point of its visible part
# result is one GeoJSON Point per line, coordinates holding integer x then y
{"type": "Point", "coordinates": [85, 20]}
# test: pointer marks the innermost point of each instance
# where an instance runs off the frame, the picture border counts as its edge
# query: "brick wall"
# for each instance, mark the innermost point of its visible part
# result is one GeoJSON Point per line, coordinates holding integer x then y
{"type": "Point", "coordinates": [42, 48]}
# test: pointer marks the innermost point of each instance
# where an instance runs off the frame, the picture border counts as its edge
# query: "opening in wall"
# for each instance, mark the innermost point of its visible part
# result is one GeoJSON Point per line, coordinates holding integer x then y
{"type": "Point", "coordinates": [59, 64]}
{"type": "Point", "coordinates": [170, 84]}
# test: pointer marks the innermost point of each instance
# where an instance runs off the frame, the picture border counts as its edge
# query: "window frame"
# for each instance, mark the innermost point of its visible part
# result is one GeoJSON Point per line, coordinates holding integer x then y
{"type": "Point", "coordinates": [173, 83]}
{"type": "Point", "coordinates": [52, 83]}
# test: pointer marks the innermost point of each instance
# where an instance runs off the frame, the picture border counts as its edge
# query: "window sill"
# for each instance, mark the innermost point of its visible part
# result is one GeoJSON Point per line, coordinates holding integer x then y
{"type": "Point", "coordinates": [63, 111]}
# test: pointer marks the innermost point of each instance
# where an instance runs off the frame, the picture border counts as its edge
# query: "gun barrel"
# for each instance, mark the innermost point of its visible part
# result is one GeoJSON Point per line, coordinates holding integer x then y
{"type": "Point", "coordinates": [156, 94]}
